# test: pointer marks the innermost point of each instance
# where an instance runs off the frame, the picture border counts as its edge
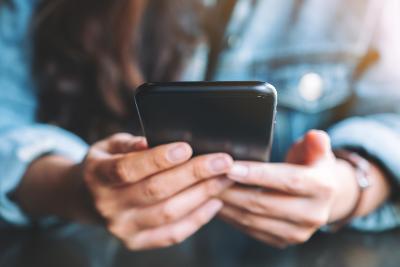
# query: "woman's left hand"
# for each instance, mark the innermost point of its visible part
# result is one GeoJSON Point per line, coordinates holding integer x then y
{"type": "Point", "coordinates": [291, 200]}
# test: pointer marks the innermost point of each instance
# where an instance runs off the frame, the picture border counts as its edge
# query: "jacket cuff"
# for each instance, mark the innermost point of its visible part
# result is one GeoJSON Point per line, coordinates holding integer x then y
{"type": "Point", "coordinates": [18, 149]}
{"type": "Point", "coordinates": [379, 141]}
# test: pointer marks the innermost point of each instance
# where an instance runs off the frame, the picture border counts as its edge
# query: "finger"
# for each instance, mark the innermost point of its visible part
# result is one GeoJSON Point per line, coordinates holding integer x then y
{"type": "Point", "coordinates": [294, 156]}
{"type": "Point", "coordinates": [317, 147]}
{"type": "Point", "coordinates": [272, 204]}
{"type": "Point", "coordinates": [289, 178]}
{"type": "Point", "coordinates": [176, 207]}
{"type": "Point", "coordinates": [136, 166]}
{"type": "Point", "coordinates": [290, 233]}
{"type": "Point", "coordinates": [125, 143]}
{"type": "Point", "coordinates": [167, 184]}
{"type": "Point", "coordinates": [313, 148]}
{"type": "Point", "coordinates": [177, 232]}
{"type": "Point", "coordinates": [267, 238]}
{"type": "Point", "coordinates": [122, 143]}
{"type": "Point", "coordinates": [270, 239]}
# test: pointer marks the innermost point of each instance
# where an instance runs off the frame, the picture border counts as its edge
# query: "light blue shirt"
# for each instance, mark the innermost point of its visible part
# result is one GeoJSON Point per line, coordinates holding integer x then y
{"type": "Point", "coordinates": [23, 140]}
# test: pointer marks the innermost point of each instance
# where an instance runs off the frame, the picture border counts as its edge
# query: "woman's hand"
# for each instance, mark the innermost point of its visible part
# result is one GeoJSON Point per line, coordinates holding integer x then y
{"type": "Point", "coordinates": [152, 198]}
{"type": "Point", "coordinates": [294, 199]}
{"type": "Point", "coordinates": [148, 198]}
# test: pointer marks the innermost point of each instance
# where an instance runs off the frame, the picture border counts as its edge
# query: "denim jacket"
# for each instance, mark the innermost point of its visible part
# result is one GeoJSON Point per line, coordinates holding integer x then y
{"type": "Point", "coordinates": [327, 59]}
{"type": "Point", "coordinates": [312, 51]}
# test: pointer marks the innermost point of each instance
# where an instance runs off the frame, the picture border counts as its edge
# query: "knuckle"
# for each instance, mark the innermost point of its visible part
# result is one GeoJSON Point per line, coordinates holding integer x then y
{"type": "Point", "coordinates": [120, 170]}
{"type": "Point", "coordinates": [256, 203]}
{"type": "Point", "coordinates": [158, 160]}
{"type": "Point", "coordinates": [198, 169]}
{"type": "Point", "coordinates": [167, 214]}
{"type": "Point", "coordinates": [153, 191]}
{"type": "Point", "coordinates": [294, 184]}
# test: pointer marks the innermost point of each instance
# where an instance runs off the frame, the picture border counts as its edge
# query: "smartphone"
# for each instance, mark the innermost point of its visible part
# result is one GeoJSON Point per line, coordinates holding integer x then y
{"type": "Point", "coordinates": [232, 117]}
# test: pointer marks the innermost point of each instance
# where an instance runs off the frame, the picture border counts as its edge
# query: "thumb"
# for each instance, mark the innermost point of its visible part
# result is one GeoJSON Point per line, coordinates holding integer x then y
{"type": "Point", "coordinates": [312, 149]}
{"type": "Point", "coordinates": [122, 143]}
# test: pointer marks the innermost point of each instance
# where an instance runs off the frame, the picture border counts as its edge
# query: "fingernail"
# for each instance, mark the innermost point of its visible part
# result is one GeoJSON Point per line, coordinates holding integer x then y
{"type": "Point", "coordinates": [219, 164]}
{"type": "Point", "coordinates": [238, 172]}
{"type": "Point", "coordinates": [178, 153]}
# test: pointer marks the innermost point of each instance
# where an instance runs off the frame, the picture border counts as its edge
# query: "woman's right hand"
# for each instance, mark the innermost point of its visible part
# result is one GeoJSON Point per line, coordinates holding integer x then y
{"type": "Point", "coordinates": [152, 198]}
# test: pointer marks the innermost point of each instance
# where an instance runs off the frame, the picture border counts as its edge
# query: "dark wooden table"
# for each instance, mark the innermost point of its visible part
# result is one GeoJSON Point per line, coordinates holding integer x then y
{"type": "Point", "coordinates": [215, 245]}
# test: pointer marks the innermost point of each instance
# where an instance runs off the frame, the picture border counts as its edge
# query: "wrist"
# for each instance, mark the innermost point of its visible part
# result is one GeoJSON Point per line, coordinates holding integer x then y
{"type": "Point", "coordinates": [52, 186]}
{"type": "Point", "coordinates": [347, 193]}
{"type": "Point", "coordinates": [365, 173]}
{"type": "Point", "coordinates": [80, 205]}
{"type": "Point", "coordinates": [42, 190]}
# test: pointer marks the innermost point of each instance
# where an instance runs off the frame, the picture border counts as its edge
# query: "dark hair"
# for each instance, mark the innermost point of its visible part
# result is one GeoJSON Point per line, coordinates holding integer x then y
{"type": "Point", "coordinates": [90, 55]}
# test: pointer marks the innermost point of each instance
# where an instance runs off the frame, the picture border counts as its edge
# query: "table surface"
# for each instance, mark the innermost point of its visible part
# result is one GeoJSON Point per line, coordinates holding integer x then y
{"type": "Point", "coordinates": [215, 245]}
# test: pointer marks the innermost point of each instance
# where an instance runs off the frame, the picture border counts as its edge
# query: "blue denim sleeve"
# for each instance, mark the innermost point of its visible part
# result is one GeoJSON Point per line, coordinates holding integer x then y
{"type": "Point", "coordinates": [378, 136]}
{"type": "Point", "coordinates": [22, 139]}
{"type": "Point", "coordinates": [19, 146]}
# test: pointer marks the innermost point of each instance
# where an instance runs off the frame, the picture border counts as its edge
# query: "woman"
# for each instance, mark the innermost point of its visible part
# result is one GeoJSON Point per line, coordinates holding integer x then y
{"type": "Point", "coordinates": [88, 55]}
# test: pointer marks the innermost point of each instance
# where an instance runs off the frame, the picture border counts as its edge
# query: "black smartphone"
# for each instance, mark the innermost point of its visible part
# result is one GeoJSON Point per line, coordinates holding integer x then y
{"type": "Point", "coordinates": [233, 117]}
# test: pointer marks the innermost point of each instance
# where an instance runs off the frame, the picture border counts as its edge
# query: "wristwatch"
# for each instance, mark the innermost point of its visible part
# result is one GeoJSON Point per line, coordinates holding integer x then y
{"type": "Point", "coordinates": [362, 169]}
